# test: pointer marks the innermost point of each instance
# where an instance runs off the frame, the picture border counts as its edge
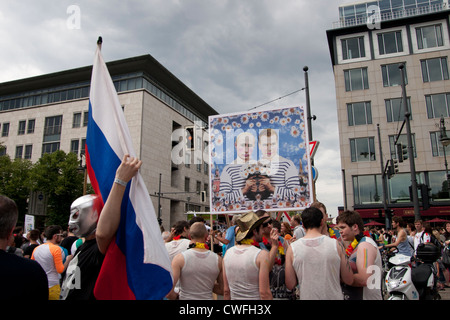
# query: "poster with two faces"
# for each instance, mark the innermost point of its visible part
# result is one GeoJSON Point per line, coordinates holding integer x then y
{"type": "Point", "coordinates": [259, 160]}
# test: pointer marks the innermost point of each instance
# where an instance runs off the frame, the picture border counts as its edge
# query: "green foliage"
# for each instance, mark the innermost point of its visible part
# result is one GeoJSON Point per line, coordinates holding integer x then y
{"type": "Point", "coordinates": [14, 177]}
{"type": "Point", "coordinates": [58, 175]}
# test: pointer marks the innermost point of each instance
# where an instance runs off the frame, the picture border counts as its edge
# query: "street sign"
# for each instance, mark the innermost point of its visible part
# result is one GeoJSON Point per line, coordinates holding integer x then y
{"type": "Point", "coordinates": [38, 204]}
{"type": "Point", "coordinates": [313, 147]}
{"type": "Point", "coordinates": [315, 173]}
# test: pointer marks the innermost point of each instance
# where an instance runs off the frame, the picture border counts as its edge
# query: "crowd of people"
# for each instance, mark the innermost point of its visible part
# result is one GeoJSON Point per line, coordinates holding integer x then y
{"type": "Point", "coordinates": [257, 257]}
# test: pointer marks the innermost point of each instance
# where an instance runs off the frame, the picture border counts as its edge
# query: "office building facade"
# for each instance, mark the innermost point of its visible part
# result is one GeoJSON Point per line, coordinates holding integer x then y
{"type": "Point", "coordinates": [46, 113]}
{"type": "Point", "coordinates": [366, 51]}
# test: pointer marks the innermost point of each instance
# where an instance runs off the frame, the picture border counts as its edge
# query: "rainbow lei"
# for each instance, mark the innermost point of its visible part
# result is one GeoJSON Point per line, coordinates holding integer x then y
{"type": "Point", "coordinates": [332, 234]}
{"type": "Point", "coordinates": [199, 245]}
{"type": "Point", "coordinates": [358, 238]}
{"type": "Point", "coordinates": [280, 250]}
{"type": "Point", "coordinates": [351, 247]}
{"type": "Point", "coordinates": [250, 241]}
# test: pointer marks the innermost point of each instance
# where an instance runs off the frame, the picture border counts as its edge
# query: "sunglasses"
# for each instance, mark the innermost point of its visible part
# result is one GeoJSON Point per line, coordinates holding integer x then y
{"type": "Point", "coordinates": [265, 224]}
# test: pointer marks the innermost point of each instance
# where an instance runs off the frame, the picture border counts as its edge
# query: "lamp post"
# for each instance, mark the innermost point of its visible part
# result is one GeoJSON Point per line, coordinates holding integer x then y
{"type": "Point", "coordinates": [410, 146]}
{"type": "Point", "coordinates": [84, 169]}
{"type": "Point", "coordinates": [445, 142]}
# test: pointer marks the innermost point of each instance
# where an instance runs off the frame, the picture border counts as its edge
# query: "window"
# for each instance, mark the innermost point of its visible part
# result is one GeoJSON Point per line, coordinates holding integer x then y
{"type": "Point", "coordinates": [390, 42]}
{"type": "Point", "coordinates": [83, 146]}
{"type": "Point", "coordinates": [398, 186]}
{"type": "Point", "coordinates": [392, 75]}
{"type": "Point", "coordinates": [356, 79]}
{"type": "Point", "coordinates": [187, 159]}
{"type": "Point", "coordinates": [367, 189]}
{"type": "Point", "coordinates": [76, 123]}
{"type": "Point", "coordinates": [437, 149]}
{"type": "Point", "coordinates": [19, 152]}
{"type": "Point", "coordinates": [187, 182]}
{"type": "Point", "coordinates": [52, 134]}
{"type": "Point", "coordinates": [85, 118]}
{"type": "Point", "coordinates": [359, 113]}
{"type": "Point", "coordinates": [5, 129]}
{"type": "Point", "coordinates": [21, 128]}
{"type": "Point", "coordinates": [28, 151]}
{"type": "Point", "coordinates": [31, 124]}
{"type": "Point", "coordinates": [394, 109]}
{"type": "Point", "coordinates": [362, 149]}
{"type": "Point", "coordinates": [52, 128]}
{"type": "Point", "coordinates": [429, 37]}
{"type": "Point", "coordinates": [353, 48]}
{"type": "Point", "coordinates": [50, 147]}
{"type": "Point", "coordinates": [198, 188]}
{"type": "Point", "coordinates": [434, 69]}
{"type": "Point", "coordinates": [403, 139]}
{"type": "Point", "coordinates": [437, 181]}
{"type": "Point", "coordinates": [75, 146]}
{"type": "Point", "coordinates": [437, 105]}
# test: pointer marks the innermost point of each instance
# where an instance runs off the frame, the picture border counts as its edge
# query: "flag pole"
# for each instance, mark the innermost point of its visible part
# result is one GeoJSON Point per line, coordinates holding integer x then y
{"type": "Point", "coordinates": [99, 42]}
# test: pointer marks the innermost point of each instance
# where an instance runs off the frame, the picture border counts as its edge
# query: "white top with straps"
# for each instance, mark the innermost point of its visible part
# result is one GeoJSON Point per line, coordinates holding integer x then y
{"type": "Point", "coordinates": [198, 274]}
{"type": "Point", "coordinates": [242, 272]}
{"type": "Point", "coordinates": [317, 265]}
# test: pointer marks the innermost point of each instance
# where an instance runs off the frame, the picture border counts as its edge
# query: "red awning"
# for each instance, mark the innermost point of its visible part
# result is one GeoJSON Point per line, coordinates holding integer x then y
{"type": "Point", "coordinates": [406, 212]}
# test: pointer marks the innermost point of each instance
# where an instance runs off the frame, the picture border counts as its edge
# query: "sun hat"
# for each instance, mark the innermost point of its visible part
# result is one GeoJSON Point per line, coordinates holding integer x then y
{"type": "Point", "coordinates": [247, 223]}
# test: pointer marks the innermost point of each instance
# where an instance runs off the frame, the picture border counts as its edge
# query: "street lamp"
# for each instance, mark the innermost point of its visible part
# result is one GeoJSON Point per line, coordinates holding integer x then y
{"type": "Point", "coordinates": [82, 167]}
{"type": "Point", "coordinates": [445, 142]}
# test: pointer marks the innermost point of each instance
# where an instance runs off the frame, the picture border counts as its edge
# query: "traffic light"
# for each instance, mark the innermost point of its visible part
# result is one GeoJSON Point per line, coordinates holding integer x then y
{"type": "Point", "coordinates": [390, 169]}
{"type": "Point", "coordinates": [388, 213]}
{"type": "Point", "coordinates": [425, 193]}
{"type": "Point", "coordinates": [402, 152]}
{"type": "Point", "coordinates": [395, 165]}
{"type": "Point", "coordinates": [189, 138]}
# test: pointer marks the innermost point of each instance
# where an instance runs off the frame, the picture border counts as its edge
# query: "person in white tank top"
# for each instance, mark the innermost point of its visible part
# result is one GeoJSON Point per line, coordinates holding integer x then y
{"type": "Point", "coordinates": [364, 256]}
{"type": "Point", "coordinates": [245, 266]}
{"type": "Point", "coordinates": [197, 270]}
{"type": "Point", "coordinates": [179, 241]}
{"type": "Point", "coordinates": [317, 262]}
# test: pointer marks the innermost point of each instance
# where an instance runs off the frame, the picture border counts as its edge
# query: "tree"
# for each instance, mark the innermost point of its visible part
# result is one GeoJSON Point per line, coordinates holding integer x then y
{"type": "Point", "coordinates": [14, 178]}
{"type": "Point", "coordinates": [58, 176]}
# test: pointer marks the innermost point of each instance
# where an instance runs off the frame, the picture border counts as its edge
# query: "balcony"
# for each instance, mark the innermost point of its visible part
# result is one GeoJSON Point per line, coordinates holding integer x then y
{"type": "Point", "coordinates": [392, 14]}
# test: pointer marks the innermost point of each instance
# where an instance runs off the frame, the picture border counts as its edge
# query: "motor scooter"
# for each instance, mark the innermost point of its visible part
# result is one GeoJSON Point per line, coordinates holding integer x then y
{"type": "Point", "coordinates": [413, 278]}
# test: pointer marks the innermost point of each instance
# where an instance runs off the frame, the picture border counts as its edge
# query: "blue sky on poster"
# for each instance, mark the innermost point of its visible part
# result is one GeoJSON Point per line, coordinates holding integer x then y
{"type": "Point", "coordinates": [235, 54]}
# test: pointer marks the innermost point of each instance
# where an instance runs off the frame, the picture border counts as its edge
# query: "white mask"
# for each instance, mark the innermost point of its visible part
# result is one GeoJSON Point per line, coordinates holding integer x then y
{"type": "Point", "coordinates": [84, 213]}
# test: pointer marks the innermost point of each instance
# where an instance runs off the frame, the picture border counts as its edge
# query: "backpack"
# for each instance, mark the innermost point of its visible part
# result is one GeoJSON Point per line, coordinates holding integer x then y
{"type": "Point", "coordinates": [434, 241]}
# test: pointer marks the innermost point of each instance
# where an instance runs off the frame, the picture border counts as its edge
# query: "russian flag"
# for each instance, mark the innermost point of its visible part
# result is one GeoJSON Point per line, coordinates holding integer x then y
{"type": "Point", "coordinates": [136, 265]}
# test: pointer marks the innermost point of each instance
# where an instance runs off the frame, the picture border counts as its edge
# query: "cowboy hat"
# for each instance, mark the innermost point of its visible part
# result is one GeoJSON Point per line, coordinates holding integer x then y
{"type": "Point", "coordinates": [247, 223]}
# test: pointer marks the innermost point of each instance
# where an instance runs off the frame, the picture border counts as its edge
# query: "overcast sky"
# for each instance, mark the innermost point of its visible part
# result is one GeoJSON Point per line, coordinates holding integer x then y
{"type": "Point", "coordinates": [235, 54]}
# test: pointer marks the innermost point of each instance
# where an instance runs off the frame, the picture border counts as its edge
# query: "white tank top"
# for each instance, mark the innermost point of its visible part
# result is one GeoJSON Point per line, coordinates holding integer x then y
{"type": "Point", "coordinates": [242, 272]}
{"type": "Point", "coordinates": [198, 275]}
{"type": "Point", "coordinates": [177, 246]}
{"type": "Point", "coordinates": [373, 292]}
{"type": "Point", "coordinates": [317, 265]}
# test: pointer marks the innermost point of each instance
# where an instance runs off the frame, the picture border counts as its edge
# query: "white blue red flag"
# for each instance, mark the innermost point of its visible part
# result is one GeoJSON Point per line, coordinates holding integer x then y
{"type": "Point", "coordinates": [136, 265]}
